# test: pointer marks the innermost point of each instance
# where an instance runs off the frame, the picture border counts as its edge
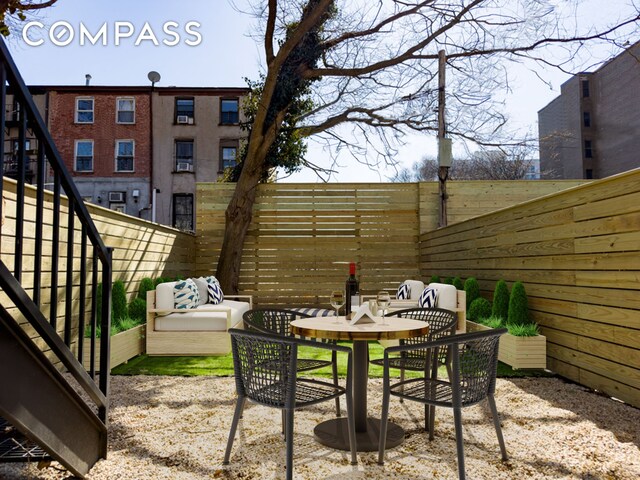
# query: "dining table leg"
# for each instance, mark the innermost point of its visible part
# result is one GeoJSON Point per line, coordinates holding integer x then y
{"type": "Point", "coordinates": [335, 432]}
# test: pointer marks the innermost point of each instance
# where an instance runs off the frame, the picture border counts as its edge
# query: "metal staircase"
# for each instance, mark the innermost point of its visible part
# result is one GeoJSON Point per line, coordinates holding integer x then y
{"type": "Point", "coordinates": [51, 261]}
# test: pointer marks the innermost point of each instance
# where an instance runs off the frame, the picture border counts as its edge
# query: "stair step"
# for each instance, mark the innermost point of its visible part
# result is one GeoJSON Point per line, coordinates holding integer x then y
{"type": "Point", "coordinates": [15, 447]}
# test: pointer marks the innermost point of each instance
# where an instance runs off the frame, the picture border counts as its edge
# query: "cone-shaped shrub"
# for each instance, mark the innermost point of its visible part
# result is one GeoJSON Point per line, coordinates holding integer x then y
{"type": "Point", "coordinates": [138, 310]}
{"type": "Point", "coordinates": [146, 284]}
{"type": "Point", "coordinates": [480, 308]}
{"type": "Point", "coordinates": [472, 288]}
{"type": "Point", "coordinates": [448, 281]}
{"type": "Point", "coordinates": [118, 301]}
{"type": "Point", "coordinates": [458, 283]}
{"type": "Point", "coordinates": [501, 301]}
{"type": "Point", "coordinates": [435, 279]}
{"type": "Point", "coordinates": [518, 306]}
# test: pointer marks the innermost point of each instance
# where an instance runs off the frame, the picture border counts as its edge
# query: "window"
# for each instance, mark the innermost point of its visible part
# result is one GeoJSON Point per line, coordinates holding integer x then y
{"type": "Point", "coordinates": [586, 119]}
{"type": "Point", "coordinates": [585, 88]}
{"type": "Point", "coordinates": [84, 156]}
{"type": "Point", "coordinates": [84, 110]}
{"type": "Point", "coordinates": [126, 110]}
{"type": "Point", "coordinates": [228, 154]}
{"type": "Point", "coordinates": [184, 156]}
{"type": "Point", "coordinates": [229, 111]}
{"type": "Point", "coordinates": [588, 174]}
{"type": "Point", "coordinates": [588, 149]}
{"type": "Point", "coordinates": [124, 155]}
{"type": "Point", "coordinates": [185, 110]}
{"type": "Point", "coordinates": [183, 211]}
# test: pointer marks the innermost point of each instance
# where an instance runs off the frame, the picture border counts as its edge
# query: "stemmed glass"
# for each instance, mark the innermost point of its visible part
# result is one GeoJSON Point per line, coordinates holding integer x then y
{"type": "Point", "coordinates": [383, 298]}
{"type": "Point", "coordinates": [337, 301]}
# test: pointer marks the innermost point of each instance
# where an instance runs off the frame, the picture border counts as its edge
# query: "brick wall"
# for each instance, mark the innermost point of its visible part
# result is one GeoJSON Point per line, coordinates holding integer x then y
{"type": "Point", "coordinates": [104, 131]}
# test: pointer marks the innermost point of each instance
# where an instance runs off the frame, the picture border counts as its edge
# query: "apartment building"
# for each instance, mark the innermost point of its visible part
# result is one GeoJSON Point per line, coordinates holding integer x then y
{"type": "Point", "coordinates": [137, 149]}
{"type": "Point", "coordinates": [592, 130]}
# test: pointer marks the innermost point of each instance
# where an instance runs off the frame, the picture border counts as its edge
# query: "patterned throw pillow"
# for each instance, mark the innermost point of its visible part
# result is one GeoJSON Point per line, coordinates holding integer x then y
{"type": "Point", "coordinates": [215, 291]}
{"type": "Point", "coordinates": [404, 292]}
{"type": "Point", "coordinates": [185, 294]}
{"type": "Point", "coordinates": [428, 298]}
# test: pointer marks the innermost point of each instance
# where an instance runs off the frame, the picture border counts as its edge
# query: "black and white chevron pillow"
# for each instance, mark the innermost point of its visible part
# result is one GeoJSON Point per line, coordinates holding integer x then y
{"type": "Point", "coordinates": [428, 298]}
{"type": "Point", "coordinates": [215, 293]}
{"type": "Point", "coordinates": [404, 292]}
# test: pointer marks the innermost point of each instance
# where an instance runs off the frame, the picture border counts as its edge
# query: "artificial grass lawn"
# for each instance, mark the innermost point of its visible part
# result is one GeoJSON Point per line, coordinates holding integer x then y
{"type": "Point", "coordinates": [222, 366]}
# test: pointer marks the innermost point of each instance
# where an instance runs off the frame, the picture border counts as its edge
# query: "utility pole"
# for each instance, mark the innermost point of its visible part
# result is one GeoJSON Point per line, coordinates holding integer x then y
{"type": "Point", "coordinates": [444, 144]}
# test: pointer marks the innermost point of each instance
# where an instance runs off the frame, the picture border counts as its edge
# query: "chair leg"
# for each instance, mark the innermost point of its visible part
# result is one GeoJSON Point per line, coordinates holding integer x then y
{"type": "Point", "coordinates": [351, 422]}
{"type": "Point", "coordinates": [289, 436]}
{"type": "Point", "coordinates": [234, 426]}
{"type": "Point", "coordinates": [334, 367]}
{"type": "Point", "coordinates": [284, 424]}
{"type": "Point", "coordinates": [384, 418]}
{"type": "Point", "coordinates": [457, 417]}
{"type": "Point", "coordinates": [402, 387]}
{"type": "Point", "coordinates": [496, 423]}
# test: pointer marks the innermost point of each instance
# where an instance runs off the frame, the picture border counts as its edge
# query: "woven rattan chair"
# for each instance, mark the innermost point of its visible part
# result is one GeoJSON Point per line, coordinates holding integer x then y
{"type": "Point", "coordinates": [442, 323]}
{"type": "Point", "coordinates": [278, 322]}
{"type": "Point", "coordinates": [266, 366]}
{"type": "Point", "coordinates": [474, 364]}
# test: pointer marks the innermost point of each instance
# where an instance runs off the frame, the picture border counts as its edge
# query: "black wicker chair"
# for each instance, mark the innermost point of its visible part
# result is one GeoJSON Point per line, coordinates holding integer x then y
{"type": "Point", "coordinates": [278, 322]}
{"type": "Point", "coordinates": [265, 367]}
{"type": "Point", "coordinates": [442, 323]}
{"type": "Point", "coordinates": [474, 358]}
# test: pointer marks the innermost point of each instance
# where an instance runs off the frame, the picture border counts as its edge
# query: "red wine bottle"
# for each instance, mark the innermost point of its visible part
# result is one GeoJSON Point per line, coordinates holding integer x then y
{"type": "Point", "coordinates": [352, 291]}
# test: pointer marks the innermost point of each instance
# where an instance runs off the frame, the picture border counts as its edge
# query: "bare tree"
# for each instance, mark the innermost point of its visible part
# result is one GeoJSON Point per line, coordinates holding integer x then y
{"type": "Point", "coordinates": [371, 68]}
{"type": "Point", "coordinates": [13, 11]}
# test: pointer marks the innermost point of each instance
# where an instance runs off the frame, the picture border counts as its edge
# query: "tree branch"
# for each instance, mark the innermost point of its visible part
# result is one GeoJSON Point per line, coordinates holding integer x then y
{"type": "Point", "coordinates": [271, 25]}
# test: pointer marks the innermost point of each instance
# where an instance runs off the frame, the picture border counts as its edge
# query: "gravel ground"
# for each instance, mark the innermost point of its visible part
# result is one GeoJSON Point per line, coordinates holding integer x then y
{"type": "Point", "coordinates": [176, 428]}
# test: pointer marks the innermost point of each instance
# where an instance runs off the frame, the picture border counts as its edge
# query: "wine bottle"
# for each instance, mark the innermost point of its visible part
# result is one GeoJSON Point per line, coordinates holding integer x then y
{"type": "Point", "coordinates": [352, 291]}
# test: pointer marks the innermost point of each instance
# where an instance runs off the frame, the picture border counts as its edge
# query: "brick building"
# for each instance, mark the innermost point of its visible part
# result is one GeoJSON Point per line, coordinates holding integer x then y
{"type": "Point", "coordinates": [141, 150]}
{"type": "Point", "coordinates": [104, 137]}
{"type": "Point", "coordinates": [592, 130]}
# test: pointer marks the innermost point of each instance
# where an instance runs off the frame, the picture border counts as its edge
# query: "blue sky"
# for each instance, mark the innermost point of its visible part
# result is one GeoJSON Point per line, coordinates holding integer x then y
{"type": "Point", "coordinates": [224, 57]}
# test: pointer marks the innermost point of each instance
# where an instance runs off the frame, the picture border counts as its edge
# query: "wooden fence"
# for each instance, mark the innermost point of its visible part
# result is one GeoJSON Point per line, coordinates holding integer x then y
{"type": "Point", "coordinates": [140, 249]}
{"type": "Point", "coordinates": [578, 252]}
{"type": "Point", "coordinates": [303, 235]}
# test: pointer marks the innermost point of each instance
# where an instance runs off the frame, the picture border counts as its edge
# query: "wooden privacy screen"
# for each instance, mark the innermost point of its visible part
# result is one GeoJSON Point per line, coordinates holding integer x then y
{"type": "Point", "coordinates": [578, 253]}
{"type": "Point", "coordinates": [141, 249]}
{"type": "Point", "coordinates": [303, 235]}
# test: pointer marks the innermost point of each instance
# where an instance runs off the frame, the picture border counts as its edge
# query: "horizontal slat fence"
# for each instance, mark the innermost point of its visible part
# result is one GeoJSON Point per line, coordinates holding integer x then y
{"type": "Point", "coordinates": [578, 252]}
{"type": "Point", "coordinates": [140, 249]}
{"type": "Point", "coordinates": [302, 235]}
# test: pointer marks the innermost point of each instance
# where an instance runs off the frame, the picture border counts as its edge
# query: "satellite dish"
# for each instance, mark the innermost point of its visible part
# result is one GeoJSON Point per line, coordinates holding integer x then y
{"type": "Point", "coordinates": [153, 76]}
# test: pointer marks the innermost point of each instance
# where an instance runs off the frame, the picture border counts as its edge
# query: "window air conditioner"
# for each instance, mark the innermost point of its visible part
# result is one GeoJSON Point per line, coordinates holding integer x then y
{"type": "Point", "coordinates": [116, 196]}
{"type": "Point", "coordinates": [184, 167]}
{"type": "Point", "coordinates": [183, 119]}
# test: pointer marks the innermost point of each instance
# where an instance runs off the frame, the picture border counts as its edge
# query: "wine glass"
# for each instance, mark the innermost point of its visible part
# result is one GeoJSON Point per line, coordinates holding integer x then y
{"type": "Point", "coordinates": [383, 298]}
{"type": "Point", "coordinates": [337, 301]}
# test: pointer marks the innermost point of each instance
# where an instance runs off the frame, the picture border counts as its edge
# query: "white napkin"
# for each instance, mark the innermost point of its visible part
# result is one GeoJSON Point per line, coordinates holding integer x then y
{"type": "Point", "coordinates": [363, 315]}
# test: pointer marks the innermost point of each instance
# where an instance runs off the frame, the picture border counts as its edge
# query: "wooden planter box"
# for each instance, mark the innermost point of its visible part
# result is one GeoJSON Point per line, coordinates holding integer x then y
{"type": "Point", "coordinates": [518, 352]}
{"type": "Point", "coordinates": [124, 345]}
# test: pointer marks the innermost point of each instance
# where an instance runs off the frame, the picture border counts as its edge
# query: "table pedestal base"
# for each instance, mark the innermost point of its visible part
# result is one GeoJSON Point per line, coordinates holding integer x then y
{"type": "Point", "coordinates": [335, 434]}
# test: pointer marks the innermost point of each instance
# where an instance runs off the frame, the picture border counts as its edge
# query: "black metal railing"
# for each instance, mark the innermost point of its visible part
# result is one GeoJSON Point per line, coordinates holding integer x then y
{"type": "Point", "coordinates": [55, 240]}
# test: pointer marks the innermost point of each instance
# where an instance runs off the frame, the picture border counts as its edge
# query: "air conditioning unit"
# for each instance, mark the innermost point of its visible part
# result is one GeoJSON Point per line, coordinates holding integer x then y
{"type": "Point", "coordinates": [183, 119]}
{"type": "Point", "coordinates": [184, 167]}
{"type": "Point", "coordinates": [190, 121]}
{"type": "Point", "coordinates": [116, 197]}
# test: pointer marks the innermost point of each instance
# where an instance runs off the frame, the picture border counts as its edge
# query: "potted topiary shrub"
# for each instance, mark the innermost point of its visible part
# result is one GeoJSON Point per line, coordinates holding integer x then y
{"type": "Point", "coordinates": [500, 308]}
{"type": "Point", "coordinates": [435, 279]}
{"type": "Point", "coordinates": [472, 289]}
{"type": "Point", "coordinates": [458, 283]}
{"type": "Point", "coordinates": [479, 309]}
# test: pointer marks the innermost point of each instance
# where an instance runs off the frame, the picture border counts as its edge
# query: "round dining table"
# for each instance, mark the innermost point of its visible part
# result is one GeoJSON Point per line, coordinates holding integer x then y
{"type": "Point", "coordinates": [335, 433]}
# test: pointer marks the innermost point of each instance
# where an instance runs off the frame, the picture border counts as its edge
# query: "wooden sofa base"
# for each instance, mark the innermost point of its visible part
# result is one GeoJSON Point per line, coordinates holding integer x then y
{"type": "Point", "coordinates": [188, 343]}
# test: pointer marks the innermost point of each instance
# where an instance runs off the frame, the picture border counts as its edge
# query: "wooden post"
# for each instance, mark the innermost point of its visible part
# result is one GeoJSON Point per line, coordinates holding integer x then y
{"type": "Point", "coordinates": [443, 171]}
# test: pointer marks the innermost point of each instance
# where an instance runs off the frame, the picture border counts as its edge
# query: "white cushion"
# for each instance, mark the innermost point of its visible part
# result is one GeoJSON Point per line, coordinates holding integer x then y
{"type": "Point", "coordinates": [195, 320]}
{"type": "Point", "coordinates": [164, 296]}
{"type": "Point", "coordinates": [447, 295]}
{"type": "Point", "coordinates": [201, 283]}
{"type": "Point", "coordinates": [416, 287]}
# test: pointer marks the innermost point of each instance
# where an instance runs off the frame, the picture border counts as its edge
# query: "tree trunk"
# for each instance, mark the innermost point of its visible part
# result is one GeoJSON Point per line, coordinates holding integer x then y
{"type": "Point", "coordinates": [237, 220]}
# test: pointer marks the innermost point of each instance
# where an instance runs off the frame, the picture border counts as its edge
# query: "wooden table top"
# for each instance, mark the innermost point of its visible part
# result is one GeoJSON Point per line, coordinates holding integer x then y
{"type": "Point", "coordinates": [328, 327]}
